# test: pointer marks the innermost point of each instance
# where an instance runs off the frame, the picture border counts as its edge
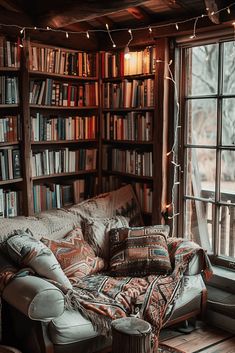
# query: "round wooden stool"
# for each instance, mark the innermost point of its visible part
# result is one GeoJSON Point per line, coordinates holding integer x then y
{"type": "Point", "coordinates": [131, 335]}
{"type": "Point", "coordinates": [8, 349]}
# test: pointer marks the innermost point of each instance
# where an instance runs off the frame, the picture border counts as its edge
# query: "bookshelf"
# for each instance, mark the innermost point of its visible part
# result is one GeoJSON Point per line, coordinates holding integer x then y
{"type": "Point", "coordinates": [132, 119]}
{"type": "Point", "coordinates": [10, 132]}
{"type": "Point", "coordinates": [81, 123]}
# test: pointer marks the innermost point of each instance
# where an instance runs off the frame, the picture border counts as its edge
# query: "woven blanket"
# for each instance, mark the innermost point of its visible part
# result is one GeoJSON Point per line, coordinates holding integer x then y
{"type": "Point", "coordinates": [102, 298]}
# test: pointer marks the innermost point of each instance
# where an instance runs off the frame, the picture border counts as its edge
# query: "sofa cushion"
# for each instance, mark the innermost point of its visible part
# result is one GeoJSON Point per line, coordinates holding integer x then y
{"type": "Point", "coordinates": [27, 251]}
{"type": "Point", "coordinates": [96, 232]}
{"type": "Point", "coordinates": [75, 256]}
{"type": "Point", "coordinates": [71, 327]}
{"type": "Point", "coordinates": [139, 251]}
{"type": "Point", "coordinates": [53, 224]}
{"type": "Point", "coordinates": [119, 202]}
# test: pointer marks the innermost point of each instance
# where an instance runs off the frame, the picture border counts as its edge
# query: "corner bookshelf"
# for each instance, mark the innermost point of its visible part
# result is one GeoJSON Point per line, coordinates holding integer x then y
{"type": "Point", "coordinates": [131, 119]}
{"type": "Point", "coordinates": [10, 132]}
{"type": "Point", "coordinates": [60, 126]}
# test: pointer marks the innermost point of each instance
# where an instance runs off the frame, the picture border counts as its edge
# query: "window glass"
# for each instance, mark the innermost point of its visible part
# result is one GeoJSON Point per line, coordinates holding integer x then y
{"type": "Point", "coordinates": [228, 121]}
{"type": "Point", "coordinates": [202, 77]}
{"type": "Point", "coordinates": [229, 68]}
{"type": "Point", "coordinates": [202, 122]}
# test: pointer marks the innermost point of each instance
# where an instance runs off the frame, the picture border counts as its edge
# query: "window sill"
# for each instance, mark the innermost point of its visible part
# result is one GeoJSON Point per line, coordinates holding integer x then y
{"type": "Point", "coordinates": [223, 278]}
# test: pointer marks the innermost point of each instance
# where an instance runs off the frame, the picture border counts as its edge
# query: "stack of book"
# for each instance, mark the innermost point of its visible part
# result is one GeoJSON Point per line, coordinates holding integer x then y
{"type": "Point", "coordinates": [10, 166]}
{"type": "Point", "coordinates": [9, 203]}
{"type": "Point", "coordinates": [9, 90]}
{"type": "Point", "coordinates": [9, 53]}
{"type": "Point", "coordinates": [9, 128]}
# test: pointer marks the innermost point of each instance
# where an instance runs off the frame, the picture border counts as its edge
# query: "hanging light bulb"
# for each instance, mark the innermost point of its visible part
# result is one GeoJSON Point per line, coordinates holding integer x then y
{"type": "Point", "coordinates": [127, 52]}
{"type": "Point", "coordinates": [176, 26]}
{"type": "Point", "coordinates": [150, 29]}
{"type": "Point", "coordinates": [228, 10]}
{"type": "Point", "coordinates": [87, 35]}
{"type": "Point", "coordinates": [67, 35]}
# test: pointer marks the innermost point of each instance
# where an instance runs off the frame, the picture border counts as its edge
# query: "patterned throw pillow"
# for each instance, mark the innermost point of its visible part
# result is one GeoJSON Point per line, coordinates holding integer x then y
{"type": "Point", "coordinates": [75, 256]}
{"type": "Point", "coordinates": [96, 232]}
{"type": "Point", "coordinates": [27, 251]}
{"type": "Point", "coordinates": [139, 251]}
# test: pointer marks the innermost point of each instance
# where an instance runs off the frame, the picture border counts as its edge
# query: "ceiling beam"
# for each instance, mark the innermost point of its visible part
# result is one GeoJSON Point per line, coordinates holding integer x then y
{"type": "Point", "coordinates": [211, 8]}
{"type": "Point", "coordinates": [10, 5]}
{"type": "Point", "coordinates": [138, 13]}
{"type": "Point", "coordinates": [13, 18]}
{"type": "Point", "coordinates": [103, 20]}
{"type": "Point", "coordinates": [172, 4]}
{"type": "Point", "coordinates": [78, 11]}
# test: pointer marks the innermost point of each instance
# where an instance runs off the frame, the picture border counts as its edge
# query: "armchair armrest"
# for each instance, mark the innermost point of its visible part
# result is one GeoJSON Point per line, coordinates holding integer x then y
{"type": "Point", "coordinates": [35, 297]}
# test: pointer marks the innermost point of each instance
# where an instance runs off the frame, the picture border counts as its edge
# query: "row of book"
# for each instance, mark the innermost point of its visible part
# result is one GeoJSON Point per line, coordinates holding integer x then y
{"type": "Point", "coordinates": [133, 63]}
{"type": "Point", "coordinates": [9, 53]}
{"type": "Point", "coordinates": [48, 162]}
{"type": "Point", "coordinates": [9, 128]}
{"type": "Point", "coordinates": [61, 61]}
{"type": "Point", "coordinates": [50, 195]}
{"type": "Point", "coordinates": [9, 203]}
{"type": "Point", "coordinates": [9, 90]}
{"type": "Point", "coordinates": [133, 161]}
{"type": "Point", "coordinates": [50, 92]}
{"type": "Point", "coordinates": [54, 128]}
{"type": "Point", "coordinates": [10, 166]}
{"type": "Point", "coordinates": [132, 126]}
{"type": "Point", "coordinates": [129, 94]}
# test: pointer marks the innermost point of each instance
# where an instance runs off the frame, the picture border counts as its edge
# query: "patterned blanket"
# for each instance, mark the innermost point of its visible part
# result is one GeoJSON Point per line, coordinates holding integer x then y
{"type": "Point", "coordinates": [102, 298]}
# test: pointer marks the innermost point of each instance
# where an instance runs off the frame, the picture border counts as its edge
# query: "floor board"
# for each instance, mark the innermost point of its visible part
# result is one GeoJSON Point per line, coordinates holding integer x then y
{"type": "Point", "coordinates": [203, 340]}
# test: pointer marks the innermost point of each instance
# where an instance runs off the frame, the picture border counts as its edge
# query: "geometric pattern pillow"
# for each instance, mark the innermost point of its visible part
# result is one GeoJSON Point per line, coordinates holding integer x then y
{"type": "Point", "coordinates": [27, 251]}
{"type": "Point", "coordinates": [76, 257]}
{"type": "Point", "coordinates": [139, 251]}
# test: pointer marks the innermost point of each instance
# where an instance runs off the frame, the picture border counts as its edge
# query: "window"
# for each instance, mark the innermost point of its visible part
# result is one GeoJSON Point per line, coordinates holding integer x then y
{"type": "Point", "coordinates": [208, 205]}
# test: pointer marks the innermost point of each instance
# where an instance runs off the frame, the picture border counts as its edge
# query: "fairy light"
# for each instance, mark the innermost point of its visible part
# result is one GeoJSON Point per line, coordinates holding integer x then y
{"type": "Point", "coordinates": [177, 24]}
{"type": "Point", "coordinates": [66, 34]}
{"type": "Point", "coordinates": [22, 30]}
{"type": "Point", "coordinates": [87, 35]}
{"type": "Point", "coordinates": [127, 50]}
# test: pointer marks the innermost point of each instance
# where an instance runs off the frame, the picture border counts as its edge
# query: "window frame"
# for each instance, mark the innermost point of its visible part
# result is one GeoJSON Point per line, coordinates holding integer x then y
{"type": "Point", "coordinates": [181, 63]}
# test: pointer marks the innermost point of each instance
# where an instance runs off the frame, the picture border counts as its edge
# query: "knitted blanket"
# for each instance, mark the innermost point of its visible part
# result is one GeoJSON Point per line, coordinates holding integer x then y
{"type": "Point", "coordinates": [102, 298]}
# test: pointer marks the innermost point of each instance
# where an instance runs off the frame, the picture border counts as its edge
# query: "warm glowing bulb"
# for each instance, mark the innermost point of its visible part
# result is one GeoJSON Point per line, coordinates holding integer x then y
{"type": "Point", "coordinates": [150, 30]}
{"type": "Point", "coordinates": [114, 45]}
{"type": "Point", "coordinates": [22, 30]}
{"type": "Point", "coordinates": [129, 30]}
{"type": "Point", "coordinates": [35, 28]}
{"type": "Point", "coordinates": [87, 34]}
{"type": "Point", "coordinates": [228, 10]}
{"type": "Point", "coordinates": [233, 24]}
{"type": "Point", "coordinates": [176, 26]}
{"type": "Point", "coordinates": [48, 28]}
{"type": "Point", "coordinates": [67, 35]}
{"type": "Point", "coordinates": [107, 26]}
{"type": "Point", "coordinates": [127, 53]}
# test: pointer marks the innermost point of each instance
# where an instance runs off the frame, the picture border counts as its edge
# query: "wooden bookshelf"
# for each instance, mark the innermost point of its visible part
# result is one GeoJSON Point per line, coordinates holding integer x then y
{"type": "Point", "coordinates": [28, 146]}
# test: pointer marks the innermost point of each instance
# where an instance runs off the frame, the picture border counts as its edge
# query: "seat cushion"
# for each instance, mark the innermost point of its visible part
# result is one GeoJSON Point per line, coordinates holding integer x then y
{"type": "Point", "coordinates": [71, 327]}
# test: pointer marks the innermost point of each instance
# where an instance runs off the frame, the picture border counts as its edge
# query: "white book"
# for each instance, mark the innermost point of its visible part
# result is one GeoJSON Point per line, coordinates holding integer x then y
{"type": "Point", "coordinates": [1, 203]}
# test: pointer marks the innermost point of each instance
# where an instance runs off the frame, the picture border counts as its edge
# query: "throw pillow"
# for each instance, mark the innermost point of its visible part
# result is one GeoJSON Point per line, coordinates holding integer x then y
{"type": "Point", "coordinates": [25, 250]}
{"type": "Point", "coordinates": [139, 251]}
{"type": "Point", "coordinates": [75, 256]}
{"type": "Point", "coordinates": [96, 232]}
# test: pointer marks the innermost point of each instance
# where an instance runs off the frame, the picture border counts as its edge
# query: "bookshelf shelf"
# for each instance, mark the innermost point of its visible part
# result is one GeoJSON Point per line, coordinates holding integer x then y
{"type": "Point", "coordinates": [4, 69]}
{"type": "Point", "coordinates": [6, 144]}
{"type": "Point", "coordinates": [11, 181]}
{"type": "Point", "coordinates": [7, 106]}
{"type": "Point", "coordinates": [128, 109]}
{"type": "Point", "coordinates": [128, 175]}
{"type": "Point", "coordinates": [127, 142]}
{"type": "Point", "coordinates": [54, 107]}
{"type": "Point", "coordinates": [64, 142]}
{"type": "Point", "coordinates": [128, 77]}
{"type": "Point", "coordinates": [61, 76]}
{"type": "Point", "coordinates": [59, 175]}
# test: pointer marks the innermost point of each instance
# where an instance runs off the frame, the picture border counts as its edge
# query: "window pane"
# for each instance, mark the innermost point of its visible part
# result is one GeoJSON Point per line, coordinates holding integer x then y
{"type": "Point", "coordinates": [228, 68]}
{"type": "Point", "coordinates": [227, 183]}
{"type": "Point", "coordinates": [198, 223]}
{"type": "Point", "coordinates": [202, 62]}
{"type": "Point", "coordinates": [228, 121]}
{"type": "Point", "coordinates": [202, 121]}
{"type": "Point", "coordinates": [200, 173]}
{"type": "Point", "coordinates": [227, 231]}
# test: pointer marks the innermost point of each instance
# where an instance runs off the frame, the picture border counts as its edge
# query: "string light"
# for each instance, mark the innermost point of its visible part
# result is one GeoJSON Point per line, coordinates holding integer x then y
{"type": "Point", "coordinates": [195, 19]}
{"type": "Point", "coordinates": [126, 50]}
{"type": "Point", "coordinates": [194, 28]}
{"type": "Point", "coordinates": [150, 29]}
{"type": "Point", "coordinates": [87, 35]}
{"type": "Point", "coordinates": [67, 35]}
{"type": "Point", "coordinates": [22, 30]}
{"type": "Point", "coordinates": [176, 26]}
{"type": "Point", "coordinates": [109, 33]}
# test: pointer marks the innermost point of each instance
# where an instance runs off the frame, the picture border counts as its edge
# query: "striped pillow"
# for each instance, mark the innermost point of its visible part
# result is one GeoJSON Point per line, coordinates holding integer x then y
{"type": "Point", "coordinates": [139, 251]}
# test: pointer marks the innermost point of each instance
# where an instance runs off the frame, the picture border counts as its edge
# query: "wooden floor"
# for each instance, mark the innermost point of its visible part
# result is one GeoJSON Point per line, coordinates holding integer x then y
{"type": "Point", "coordinates": [204, 339]}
